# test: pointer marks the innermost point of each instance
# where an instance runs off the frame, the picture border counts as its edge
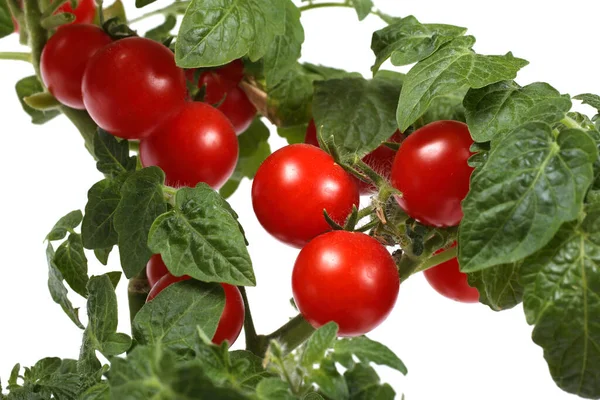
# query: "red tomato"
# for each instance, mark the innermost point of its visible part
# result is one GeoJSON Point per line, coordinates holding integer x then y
{"type": "Point", "coordinates": [231, 321]}
{"type": "Point", "coordinates": [65, 57]}
{"type": "Point", "coordinates": [233, 72]}
{"type": "Point", "coordinates": [196, 145]}
{"type": "Point", "coordinates": [84, 13]}
{"type": "Point", "coordinates": [348, 278]}
{"type": "Point", "coordinates": [431, 171]}
{"type": "Point", "coordinates": [380, 160]}
{"type": "Point", "coordinates": [293, 186]}
{"type": "Point", "coordinates": [448, 281]}
{"type": "Point", "coordinates": [132, 86]}
{"type": "Point", "coordinates": [155, 269]}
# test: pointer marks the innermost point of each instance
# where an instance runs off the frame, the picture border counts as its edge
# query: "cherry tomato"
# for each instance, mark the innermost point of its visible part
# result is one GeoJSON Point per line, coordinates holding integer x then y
{"type": "Point", "coordinates": [233, 72]}
{"type": "Point", "coordinates": [293, 186]}
{"type": "Point", "coordinates": [348, 278]}
{"type": "Point", "coordinates": [155, 269]}
{"type": "Point", "coordinates": [380, 160]}
{"type": "Point", "coordinates": [85, 12]}
{"type": "Point", "coordinates": [196, 145]}
{"type": "Point", "coordinates": [65, 57]}
{"type": "Point", "coordinates": [448, 281]}
{"type": "Point", "coordinates": [132, 86]}
{"type": "Point", "coordinates": [431, 171]}
{"type": "Point", "coordinates": [231, 321]}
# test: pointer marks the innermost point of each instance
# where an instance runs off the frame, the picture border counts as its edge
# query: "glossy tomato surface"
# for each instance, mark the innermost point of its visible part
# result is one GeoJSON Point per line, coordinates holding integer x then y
{"type": "Point", "coordinates": [448, 281]}
{"type": "Point", "coordinates": [293, 186]}
{"type": "Point", "coordinates": [132, 86]}
{"type": "Point", "coordinates": [163, 283]}
{"type": "Point", "coordinates": [348, 278]}
{"type": "Point", "coordinates": [65, 57]}
{"type": "Point", "coordinates": [197, 145]}
{"type": "Point", "coordinates": [155, 269]}
{"type": "Point", "coordinates": [432, 172]}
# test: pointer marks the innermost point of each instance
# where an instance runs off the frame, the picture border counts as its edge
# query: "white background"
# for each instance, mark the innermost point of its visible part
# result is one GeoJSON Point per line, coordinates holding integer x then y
{"type": "Point", "coordinates": [453, 351]}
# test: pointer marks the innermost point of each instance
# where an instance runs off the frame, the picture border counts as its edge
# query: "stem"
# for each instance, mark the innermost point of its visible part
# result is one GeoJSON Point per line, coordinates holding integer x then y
{"type": "Point", "coordinates": [290, 335]}
{"type": "Point", "coordinates": [37, 34]}
{"type": "Point", "coordinates": [137, 292]}
{"type": "Point", "coordinates": [252, 339]}
{"type": "Point", "coordinates": [52, 8]}
{"type": "Point", "coordinates": [175, 8]}
{"type": "Point", "coordinates": [570, 123]}
{"type": "Point", "coordinates": [54, 21]}
{"type": "Point", "coordinates": [16, 56]}
{"type": "Point", "coordinates": [84, 123]}
{"type": "Point", "coordinates": [365, 212]}
{"type": "Point", "coordinates": [324, 5]}
{"type": "Point", "coordinates": [437, 260]}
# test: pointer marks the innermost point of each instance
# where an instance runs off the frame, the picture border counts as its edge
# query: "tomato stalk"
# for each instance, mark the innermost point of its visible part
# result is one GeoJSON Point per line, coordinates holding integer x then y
{"type": "Point", "coordinates": [314, 6]}
{"type": "Point", "coordinates": [570, 123]}
{"type": "Point", "coordinates": [52, 8]}
{"type": "Point", "coordinates": [16, 56]}
{"type": "Point", "coordinates": [252, 338]}
{"type": "Point", "coordinates": [137, 293]}
{"type": "Point", "coordinates": [54, 21]}
{"type": "Point", "coordinates": [175, 8]}
{"type": "Point", "coordinates": [289, 336]}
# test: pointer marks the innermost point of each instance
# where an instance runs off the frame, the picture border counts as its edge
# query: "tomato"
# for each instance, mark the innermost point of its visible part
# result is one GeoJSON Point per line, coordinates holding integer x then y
{"type": "Point", "coordinates": [448, 281]}
{"type": "Point", "coordinates": [348, 278]}
{"type": "Point", "coordinates": [293, 186]}
{"type": "Point", "coordinates": [155, 269]}
{"type": "Point", "coordinates": [231, 321]}
{"type": "Point", "coordinates": [380, 160]}
{"type": "Point", "coordinates": [196, 145]}
{"type": "Point", "coordinates": [65, 57]}
{"type": "Point", "coordinates": [132, 86]}
{"type": "Point", "coordinates": [431, 171]}
{"type": "Point", "coordinates": [85, 12]}
{"type": "Point", "coordinates": [238, 109]}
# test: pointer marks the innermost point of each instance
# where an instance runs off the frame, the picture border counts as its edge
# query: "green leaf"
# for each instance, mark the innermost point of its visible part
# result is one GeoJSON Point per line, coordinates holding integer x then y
{"type": "Point", "coordinates": [293, 134]}
{"type": "Point", "coordinates": [115, 10]}
{"type": "Point", "coordinates": [313, 396]}
{"type": "Point", "coordinates": [496, 109]}
{"type": "Point", "coordinates": [65, 225]}
{"type": "Point", "coordinates": [324, 72]}
{"type": "Point", "coordinates": [141, 203]}
{"type": "Point", "coordinates": [247, 369]}
{"type": "Point", "coordinates": [285, 50]}
{"type": "Point", "coordinates": [407, 41]}
{"type": "Point", "coordinates": [98, 229]}
{"type": "Point", "coordinates": [102, 255]}
{"type": "Point", "coordinates": [143, 3]}
{"type": "Point", "coordinates": [6, 24]}
{"type": "Point", "coordinates": [172, 318]}
{"type": "Point", "coordinates": [368, 350]}
{"type": "Point", "coordinates": [254, 149]}
{"type": "Point", "coordinates": [363, 8]}
{"type": "Point", "coordinates": [454, 67]}
{"type": "Point", "coordinates": [364, 384]}
{"type": "Point", "coordinates": [201, 238]}
{"type": "Point", "coordinates": [163, 31]}
{"type": "Point", "coordinates": [28, 87]}
{"type": "Point", "coordinates": [112, 154]}
{"type": "Point", "coordinates": [358, 113]}
{"type": "Point", "coordinates": [531, 183]}
{"type": "Point", "coordinates": [49, 379]}
{"type": "Point", "coordinates": [100, 391]}
{"type": "Point", "coordinates": [498, 286]}
{"type": "Point", "coordinates": [216, 32]}
{"type": "Point", "coordinates": [589, 99]}
{"type": "Point", "coordinates": [273, 389]}
{"type": "Point", "coordinates": [562, 286]}
{"type": "Point", "coordinates": [318, 343]}
{"type": "Point", "coordinates": [330, 382]}
{"type": "Point", "coordinates": [71, 262]}
{"type": "Point", "coordinates": [57, 289]}
{"type": "Point", "coordinates": [447, 107]}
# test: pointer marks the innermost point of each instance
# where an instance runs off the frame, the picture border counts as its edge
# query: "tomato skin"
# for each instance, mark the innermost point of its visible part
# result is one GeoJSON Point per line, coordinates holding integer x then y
{"type": "Point", "coordinates": [431, 171]}
{"type": "Point", "coordinates": [348, 278]}
{"type": "Point", "coordinates": [293, 186]}
{"type": "Point", "coordinates": [155, 269]}
{"type": "Point", "coordinates": [448, 281]}
{"type": "Point", "coordinates": [231, 321]}
{"type": "Point", "coordinates": [132, 86]}
{"type": "Point", "coordinates": [197, 145]}
{"type": "Point", "coordinates": [65, 57]}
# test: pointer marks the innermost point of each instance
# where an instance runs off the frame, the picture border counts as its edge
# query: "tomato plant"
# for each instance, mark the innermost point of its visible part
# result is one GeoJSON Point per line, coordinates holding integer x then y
{"type": "Point", "coordinates": [155, 269]}
{"type": "Point", "coordinates": [448, 281]}
{"type": "Point", "coordinates": [84, 12]}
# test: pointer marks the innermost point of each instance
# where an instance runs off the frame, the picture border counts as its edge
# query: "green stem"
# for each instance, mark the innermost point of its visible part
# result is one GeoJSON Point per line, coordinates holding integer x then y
{"type": "Point", "coordinates": [252, 339]}
{"type": "Point", "coordinates": [438, 259]}
{"type": "Point", "coordinates": [175, 8]}
{"type": "Point", "coordinates": [54, 21]}
{"type": "Point", "coordinates": [314, 6]}
{"type": "Point", "coordinates": [365, 212]}
{"type": "Point", "coordinates": [16, 56]}
{"type": "Point", "coordinates": [290, 335]}
{"type": "Point", "coordinates": [37, 34]}
{"type": "Point", "coordinates": [137, 292]}
{"type": "Point", "coordinates": [52, 8]}
{"type": "Point", "coordinates": [570, 123]}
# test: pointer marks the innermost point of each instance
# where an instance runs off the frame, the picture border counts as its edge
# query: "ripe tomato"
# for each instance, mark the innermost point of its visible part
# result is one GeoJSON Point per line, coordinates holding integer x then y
{"type": "Point", "coordinates": [380, 160]}
{"type": "Point", "coordinates": [132, 86]}
{"type": "Point", "coordinates": [348, 278]}
{"type": "Point", "coordinates": [65, 57]}
{"type": "Point", "coordinates": [84, 12]}
{"type": "Point", "coordinates": [431, 171]}
{"type": "Point", "coordinates": [448, 281]}
{"type": "Point", "coordinates": [231, 321]}
{"type": "Point", "coordinates": [293, 186]}
{"type": "Point", "coordinates": [196, 145]}
{"type": "Point", "coordinates": [155, 269]}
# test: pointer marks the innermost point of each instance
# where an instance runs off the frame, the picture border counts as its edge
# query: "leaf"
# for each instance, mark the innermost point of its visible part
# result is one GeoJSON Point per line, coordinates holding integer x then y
{"type": "Point", "coordinates": [141, 203]}
{"type": "Point", "coordinates": [98, 229]}
{"type": "Point", "coordinates": [216, 32]}
{"type": "Point", "coordinates": [273, 389]}
{"type": "Point", "coordinates": [172, 318]}
{"type": "Point", "coordinates": [247, 369]}
{"type": "Point", "coordinates": [48, 379]}
{"type": "Point", "coordinates": [100, 391]}
{"type": "Point", "coordinates": [57, 289]}
{"type": "Point", "coordinates": [496, 109]}
{"type": "Point", "coordinates": [71, 262]}
{"type": "Point", "coordinates": [447, 107]}
{"type": "Point", "coordinates": [65, 225]}
{"type": "Point", "coordinates": [407, 41]}
{"type": "Point", "coordinates": [589, 99]}
{"type": "Point", "coordinates": [452, 68]}
{"type": "Point", "coordinates": [330, 382]}
{"type": "Point", "coordinates": [498, 286]}
{"type": "Point", "coordinates": [318, 343]}
{"type": "Point", "coordinates": [313, 396]}
{"type": "Point", "coordinates": [254, 149]}
{"type": "Point", "coordinates": [28, 87]}
{"type": "Point", "coordinates": [102, 255]}
{"type": "Point", "coordinates": [562, 300]}
{"type": "Point", "coordinates": [293, 134]}
{"type": "Point", "coordinates": [115, 10]}
{"type": "Point", "coordinates": [531, 183]}
{"type": "Point", "coordinates": [363, 8]}
{"type": "Point", "coordinates": [143, 3]}
{"type": "Point", "coordinates": [163, 31]}
{"type": "Point", "coordinates": [201, 238]}
{"type": "Point", "coordinates": [6, 24]}
{"type": "Point", "coordinates": [113, 155]}
{"type": "Point", "coordinates": [285, 50]}
{"type": "Point", "coordinates": [364, 384]}
{"type": "Point", "coordinates": [357, 112]}
{"type": "Point", "coordinates": [368, 350]}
